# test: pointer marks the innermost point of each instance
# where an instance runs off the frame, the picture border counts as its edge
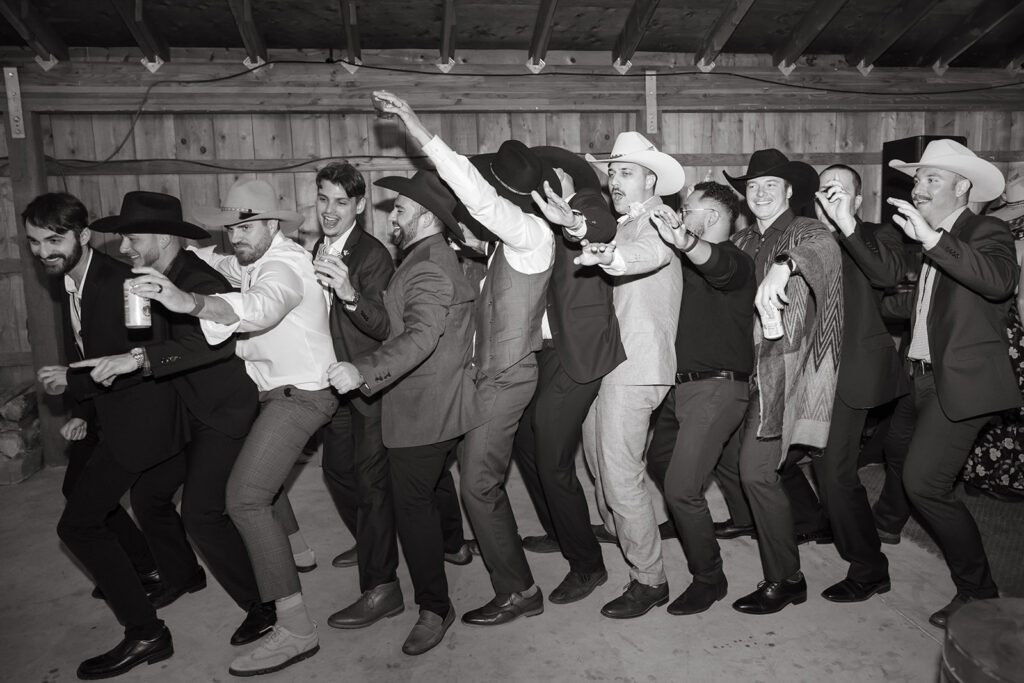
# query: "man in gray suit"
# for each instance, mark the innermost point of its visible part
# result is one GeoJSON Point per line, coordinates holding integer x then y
{"type": "Point", "coordinates": [647, 292]}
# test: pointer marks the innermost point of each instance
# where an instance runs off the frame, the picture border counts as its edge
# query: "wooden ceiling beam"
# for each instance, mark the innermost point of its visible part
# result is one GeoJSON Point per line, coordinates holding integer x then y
{"type": "Point", "coordinates": [1017, 59]}
{"type": "Point", "coordinates": [149, 40]}
{"type": "Point", "coordinates": [714, 42]}
{"type": "Point", "coordinates": [447, 33]}
{"type": "Point", "coordinates": [351, 24]}
{"type": "Point", "coordinates": [255, 47]}
{"type": "Point", "coordinates": [542, 32]}
{"type": "Point", "coordinates": [804, 34]}
{"type": "Point", "coordinates": [901, 19]}
{"type": "Point", "coordinates": [967, 33]}
{"type": "Point", "coordinates": [34, 30]}
{"type": "Point", "coordinates": [637, 21]}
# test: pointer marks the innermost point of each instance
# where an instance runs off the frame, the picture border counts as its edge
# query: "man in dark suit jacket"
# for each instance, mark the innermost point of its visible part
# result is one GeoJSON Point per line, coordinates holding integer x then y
{"type": "Point", "coordinates": [220, 402]}
{"type": "Point", "coordinates": [355, 269]}
{"type": "Point", "coordinates": [958, 350]}
{"type": "Point", "coordinates": [140, 423]}
{"type": "Point", "coordinates": [425, 366]}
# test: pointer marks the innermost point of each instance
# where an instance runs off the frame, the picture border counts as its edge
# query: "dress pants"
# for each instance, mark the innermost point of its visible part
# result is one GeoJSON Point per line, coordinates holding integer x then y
{"type": "Point", "coordinates": [614, 437]}
{"type": "Point", "coordinates": [938, 451]}
{"type": "Point", "coordinates": [287, 418]}
{"type": "Point", "coordinates": [120, 522]}
{"type": "Point", "coordinates": [545, 450]}
{"type": "Point", "coordinates": [702, 415]}
{"type": "Point", "coordinates": [892, 510]}
{"type": "Point", "coordinates": [484, 458]}
{"type": "Point", "coordinates": [84, 529]}
{"type": "Point", "coordinates": [355, 465]}
{"type": "Point", "coordinates": [427, 516]}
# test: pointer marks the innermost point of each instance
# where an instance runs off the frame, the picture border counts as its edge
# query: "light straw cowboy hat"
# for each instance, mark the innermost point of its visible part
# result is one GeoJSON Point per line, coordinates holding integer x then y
{"type": "Point", "coordinates": [987, 181]}
{"type": "Point", "coordinates": [631, 147]}
{"type": "Point", "coordinates": [1013, 199]}
{"type": "Point", "coordinates": [248, 200]}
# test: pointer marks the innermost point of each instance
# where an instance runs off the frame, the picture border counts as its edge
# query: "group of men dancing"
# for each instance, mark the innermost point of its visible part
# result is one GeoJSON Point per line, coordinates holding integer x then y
{"type": "Point", "coordinates": [584, 321]}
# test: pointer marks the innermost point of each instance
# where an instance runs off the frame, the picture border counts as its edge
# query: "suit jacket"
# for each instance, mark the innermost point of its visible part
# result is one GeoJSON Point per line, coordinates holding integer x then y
{"type": "Point", "coordinates": [870, 370]}
{"type": "Point", "coordinates": [976, 275]}
{"type": "Point", "coordinates": [361, 331]}
{"type": "Point", "coordinates": [140, 419]}
{"type": "Point", "coordinates": [580, 311]}
{"type": "Point", "coordinates": [425, 364]}
{"type": "Point", "coordinates": [210, 380]}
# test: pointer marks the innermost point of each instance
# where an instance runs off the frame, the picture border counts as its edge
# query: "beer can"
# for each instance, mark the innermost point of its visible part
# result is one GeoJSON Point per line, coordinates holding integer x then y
{"type": "Point", "coordinates": [136, 309]}
{"type": "Point", "coordinates": [771, 324]}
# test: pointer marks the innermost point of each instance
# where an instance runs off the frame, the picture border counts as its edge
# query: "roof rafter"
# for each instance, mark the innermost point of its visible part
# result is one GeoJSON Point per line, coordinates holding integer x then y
{"type": "Point", "coordinates": [149, 40]}
{"type": "Point", "coordinates": [542, 32]}
{"type": "Point", "coordinates": [637, 21]}
{"type": "Point", "coordinates": [967, 33]}
{"type": "Point", "coordinates": [804, 34]}
{"type": "Point", "coordinates": [447, 31]}
{"type": "Point", "coordinates": [251, 37]}
{"type": "Point", "coordinates": [351, 23]}
{"type": "Point", "coordinates": [34, 30]}
{"type": "Point", "coordinates": [901, 19]}
{"type": "Point", "coordinates": [714, 42]}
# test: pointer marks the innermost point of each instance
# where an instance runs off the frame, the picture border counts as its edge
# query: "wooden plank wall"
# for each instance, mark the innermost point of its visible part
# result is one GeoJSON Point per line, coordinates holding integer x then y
{"type": "Point", "coordinates": [15, 353]}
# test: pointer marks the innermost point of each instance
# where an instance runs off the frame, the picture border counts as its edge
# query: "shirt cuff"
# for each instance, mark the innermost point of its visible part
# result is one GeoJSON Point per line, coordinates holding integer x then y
{"type": "Point", "coordinates": [217, 333]}
{"type": "Point", "coordinates": [617, 266]}
{"type": "Point", "coordinates": [579, 229]}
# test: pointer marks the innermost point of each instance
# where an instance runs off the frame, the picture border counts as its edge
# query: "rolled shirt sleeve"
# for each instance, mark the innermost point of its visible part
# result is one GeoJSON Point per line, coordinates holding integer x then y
{"type": "Point", "coordinates": [262, 306]}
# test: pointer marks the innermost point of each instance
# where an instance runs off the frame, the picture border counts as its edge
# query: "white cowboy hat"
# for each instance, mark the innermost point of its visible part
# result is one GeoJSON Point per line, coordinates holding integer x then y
{"type": "Point", "coordinates": [634, 148]}
{"type": "Point", "coordinates": [987, 181]}
{"type": "Point", "coordinates": [248, 200]}
{"type": "Point", "coordinates": [1013, 199]}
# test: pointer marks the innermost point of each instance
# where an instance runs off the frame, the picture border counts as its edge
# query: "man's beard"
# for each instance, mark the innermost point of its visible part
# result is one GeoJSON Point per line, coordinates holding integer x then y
{"type": "Point", "coordinates": [67, 263]}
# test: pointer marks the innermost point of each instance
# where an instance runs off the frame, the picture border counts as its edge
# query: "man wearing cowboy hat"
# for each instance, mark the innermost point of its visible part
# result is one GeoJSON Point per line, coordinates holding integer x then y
{"type": "Point", "coordinates": [131, 426]}
{"type": "Point", "coordinates": [425, 364]}
{"type": "Point", "coordinates": [281, 312]}
{"type": "Point", "coordinates": [798, 268]}
{"type": "Point", "coordinates": [648, 288]}
{"type": "Point", "coordinates": [958, 352]}
{"type": "Point", "coordinates": [220, 402]}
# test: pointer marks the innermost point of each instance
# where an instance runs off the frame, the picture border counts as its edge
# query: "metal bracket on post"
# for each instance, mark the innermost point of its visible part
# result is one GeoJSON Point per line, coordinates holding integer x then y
{"type": "Point", "coordinates": [153, 65]}
{"type": "Point", "coordinates": [705, 67]}
{"type": "Point", "coordinates": [444, 65]}
{"type": "Point", "coordinates": [250, 64]}
{"type": "Point", "coordinates": [622, 68]}
{"type": "Point", "coordinates": [47, 64]}
{"type": "Point", "coordinates": [939, 68]}
{"type": "Point", "coordinates": [352, 66]}
{"type": "Point", "coordinates": [651, 92]}
{"type": "Point", "coordinates": [15, 116]}
{"type": "Point", "coordinates": [863, 68]}
{"type": "Point", "coordinates": [535, 67]}
{"type": "Point", "coordinates": [786, 69]}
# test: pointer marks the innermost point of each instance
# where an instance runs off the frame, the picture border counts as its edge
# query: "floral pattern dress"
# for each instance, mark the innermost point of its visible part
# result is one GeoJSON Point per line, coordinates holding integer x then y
{"type": "Point", "coordinates": [996, 464]}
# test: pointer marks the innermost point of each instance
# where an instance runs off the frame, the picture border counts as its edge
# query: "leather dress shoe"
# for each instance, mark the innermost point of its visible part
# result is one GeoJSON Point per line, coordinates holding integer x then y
{"type": "Point", "coordinates": [168, 594]}
{"type": "Point", "coordinates": [603, 535]}
{"type": "Point", "coordinates": [888, 537]}
{"type": "Point", "coordinates": [461, 557]}
{"type": "Point", "coordinates": [728, 529]}
{"type": "Point", "coordinates": [577, 585]}
{"type": "Point", "coordinates": [699, 597]}
{"type": "Point", "coordinates": [772, 596]}
{"type": "Point", "coordinates": [428, 631]}
{"type": "Point", "coordinates": [260, 619]}
{"type": "Point", "coordinates": [849, 590]}
{"type": "Point", "coordinates": [504, 608]}
{"type": "Point", "coordinates": [636, 601]}
{"type": "Point", "coordinates": [820, 536]}
{"type": "Point", "coordinates": [474, 546]}
{"type": "Point", "coordinates": [349, 558]}
{"type": "Point", "coordinates": [127, 655]}
{"type": "Point", "coordinates": [541, 544]}
{"type": "Point", "coordinates": [941, 618]}
{"type": "Point", "coordinates": [150, 581]}
{"type": "Point", "coordinates": [373, 605]}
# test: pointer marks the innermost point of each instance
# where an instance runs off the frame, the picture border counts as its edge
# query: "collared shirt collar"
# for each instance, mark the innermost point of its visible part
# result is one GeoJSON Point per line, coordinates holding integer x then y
{"type": "Point", "coordinates": [336, 245]}
{"type": "Point", "coordinates": [69, 283]}
{"type": "Point", "coordinates": [949, 221]}
{"type": "Point", "coordinates": [779, 224]}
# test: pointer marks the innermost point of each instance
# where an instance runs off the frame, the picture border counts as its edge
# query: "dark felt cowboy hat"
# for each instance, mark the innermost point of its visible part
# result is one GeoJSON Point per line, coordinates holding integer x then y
{"type": "Point", "coordinates": [150, 213]}
{"type": "Point", "coordinates": [515, 171]}
{"type": "Point", "coordinates": [772, 162]}
{"type": "Point", "coordinates": [579, 169]}
{"type": "Point", "coordinates": [426, 189]}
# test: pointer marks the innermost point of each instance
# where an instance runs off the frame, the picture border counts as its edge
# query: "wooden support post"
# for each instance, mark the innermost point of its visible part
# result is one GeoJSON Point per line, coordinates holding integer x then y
{"type": "Point", "coordinates": [720, 33]}
{"type": "Point", "coordinates": [154, 47]}
{"type": "Point", "coordinates": [255, 48]}
{"type": "Point", "coordinates": [447, 58]}
{"type": "Point", "coordinates": [541, 34]}
{"type": "Point", "coordinates": [637, 21]}
{"type": "Point", "coordinates": [39, 35]}
{"type": "Point", "coordinates": [804, 34]}
{"type": "Point", "coordinates": [350, 21]}
{"type": "Point", "coordinates": [900, 20]}
{"type": "Point", "coordinates": [980, 22]}
{"type": "Point", "coordinates": [28, 180]}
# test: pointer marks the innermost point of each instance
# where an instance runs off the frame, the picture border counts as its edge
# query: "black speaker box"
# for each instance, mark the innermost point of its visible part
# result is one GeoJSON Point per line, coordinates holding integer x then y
{"type": "Point", "coordinates": [896, 183]}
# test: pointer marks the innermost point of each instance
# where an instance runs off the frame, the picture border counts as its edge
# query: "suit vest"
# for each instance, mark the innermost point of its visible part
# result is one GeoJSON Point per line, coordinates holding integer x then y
{"type": "Point", "coordinates": [508, 314]}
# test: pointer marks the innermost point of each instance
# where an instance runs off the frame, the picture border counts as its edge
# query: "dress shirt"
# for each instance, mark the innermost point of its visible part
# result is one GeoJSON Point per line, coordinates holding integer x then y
{"type": "Point", "coordinates": [760, 249]}
{"type": "Point", "coordinates": [75, 299]}
{"type": "Point", "coordinates": [919, 349]}
{"type": "Point", "coordinates": [333, 248]}
{"type": "Point", "coordinates": [284, 337]}
{"type": "Point", "coordinates": [637, 212]}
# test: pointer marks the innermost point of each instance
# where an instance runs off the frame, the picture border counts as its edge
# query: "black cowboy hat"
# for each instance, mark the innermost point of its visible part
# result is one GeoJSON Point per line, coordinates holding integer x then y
{"type": "Point", "coordinates": [515, 171]}
{"type": "Point", "coordinates": [772, 162]}
{"type": "Point", "coordinates": [151, 213]}
{"type": "Point", "coordinates": [426, 189]}
{"type": "Point", "coordinates": [579, 169]}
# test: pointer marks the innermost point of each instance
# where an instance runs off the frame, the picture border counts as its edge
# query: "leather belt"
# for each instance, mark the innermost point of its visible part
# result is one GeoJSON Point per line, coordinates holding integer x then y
{"type": "Point", "coordinates": [682, 377]}
{"type": "Point", "coordinates": [919, 368]}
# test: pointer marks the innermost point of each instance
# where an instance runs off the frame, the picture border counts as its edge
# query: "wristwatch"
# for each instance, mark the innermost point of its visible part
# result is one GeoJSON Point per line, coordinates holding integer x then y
{"type": "Point", "coordinates": [787, 260]}
{"type": "Point", "coordinates": [140, 357]}
{"type": "Point", "coordinates": [353, 302]}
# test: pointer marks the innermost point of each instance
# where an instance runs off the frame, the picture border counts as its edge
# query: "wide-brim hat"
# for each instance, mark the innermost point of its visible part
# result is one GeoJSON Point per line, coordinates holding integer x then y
{"type": "Point", "coordinates": [478, 229]}
{"type": "Point", "coordinates": [1013, 199]}
{"type": "Point", "coordinates": [576, 167]}
{"type": "Point", "coordinates": [426, 189]}
{"type": "Point", "coordinates": [632, 147]}
{"type": "Point", "coordinates": [150, 213]}
{"type": "Point", "coordinates": [987, 181]}
{"type": "Point", "coordinates": [515, 171]}
{"type": "Point", "coordinates": [249, 200]}
{"type": "Point", "coordinates": [771, 162]}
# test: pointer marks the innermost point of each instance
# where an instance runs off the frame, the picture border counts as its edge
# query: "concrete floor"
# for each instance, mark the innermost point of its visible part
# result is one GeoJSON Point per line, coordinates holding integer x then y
{"type": "Point", "coordinates": [48, 622]}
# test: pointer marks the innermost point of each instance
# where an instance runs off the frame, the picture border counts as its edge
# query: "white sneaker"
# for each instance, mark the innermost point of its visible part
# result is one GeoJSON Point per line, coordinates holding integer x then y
{"type": "Point", "coordinates": [278, 649]}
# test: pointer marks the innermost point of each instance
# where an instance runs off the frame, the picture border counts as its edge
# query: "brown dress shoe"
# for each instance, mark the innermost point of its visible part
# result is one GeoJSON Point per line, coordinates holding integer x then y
{"type": "Point", "coordinates": [373, 605]}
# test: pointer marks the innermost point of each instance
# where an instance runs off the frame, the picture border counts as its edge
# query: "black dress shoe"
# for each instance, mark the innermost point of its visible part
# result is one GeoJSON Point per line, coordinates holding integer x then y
{"type": "Point", "coordinates": [541, 544]}
{"type": "Point", "coordinates": [728, 529]}
{"type": "Point", "coordinates": [127, 655]}
{"type": "Point", "coordinates": [349, 558]}
{"type": "Point", "coordinates": [474, 547]}
{"type": "Point", "coordinates": [150, 581]}
{"type": "Point", "coordinates": [849, 590]}
{"type": "Point", "coordinates": [381, 601]}
{"type": "Point", "coordinates": [699, 597]}
{"type": "Point", "coordinates": [461, 557]}
{"type": "Point", "coordinates": [820, 536]}
{"type": "Point", "coordinates": [504, 608]}
{"type": "Point", "coordinates": [577, 585]}
{"type": "Point", "coordinates": [772, 596]}
{"type": "Point", "coordinates": [636, 601]}
{"type": "Point", "coordinates": [603, 535]}
{"type": "Point", "coordinates": [941, 618]}
{"type": "Point", "coordinates": [260, 619]}
{"type": "Point", "coordinates": [168, 594]}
